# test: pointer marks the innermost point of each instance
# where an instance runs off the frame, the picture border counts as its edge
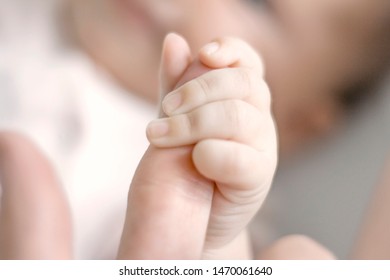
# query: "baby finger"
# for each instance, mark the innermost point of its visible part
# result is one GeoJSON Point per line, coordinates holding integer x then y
{"type": "Point", "coordinates": [229, 120]}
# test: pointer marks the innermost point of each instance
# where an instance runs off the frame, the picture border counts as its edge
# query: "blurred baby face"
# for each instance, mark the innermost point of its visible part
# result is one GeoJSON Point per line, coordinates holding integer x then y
{"type": "Point", "coordinates": [127, 35]}
{"type": "Point", "coordinates": [309, 51]}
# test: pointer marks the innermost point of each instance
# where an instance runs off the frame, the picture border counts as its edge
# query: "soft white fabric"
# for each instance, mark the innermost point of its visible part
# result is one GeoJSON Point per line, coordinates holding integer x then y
{"type": "Point", "coordinates": [92, 130]}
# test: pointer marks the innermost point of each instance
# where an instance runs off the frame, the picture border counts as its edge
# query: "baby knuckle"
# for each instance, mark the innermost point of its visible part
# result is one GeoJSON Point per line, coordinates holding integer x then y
{"type": "Point", "coordinates": [185, 124]}
{"type": "Point", "coordinates": [265, 94]}
{"type": "Point", "coordinates": [236, 113]}
{"type": "Point", "coordinates": [196, 122]}
{"type": "Point", "coordinates": [246, 77]}
{"type": "Point", "coordinates": [253, 81]}
{"type": "Point", "coordinates": [203, 87]}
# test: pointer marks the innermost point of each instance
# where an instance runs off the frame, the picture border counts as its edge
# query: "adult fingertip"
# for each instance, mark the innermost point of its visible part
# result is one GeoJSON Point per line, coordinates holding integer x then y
{"type": "Point", "coordinates": [175, 59]}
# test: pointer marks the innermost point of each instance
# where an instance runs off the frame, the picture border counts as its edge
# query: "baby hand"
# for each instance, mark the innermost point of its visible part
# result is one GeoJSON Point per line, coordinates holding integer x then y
{"type": "Point", "coordinates": [225, 113]}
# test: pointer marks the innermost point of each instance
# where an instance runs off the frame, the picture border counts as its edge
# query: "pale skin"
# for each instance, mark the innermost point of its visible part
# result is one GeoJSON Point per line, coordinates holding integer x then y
{"type": "Point", "coordinates": [299, 50]}
{"type": "Point", "coordinates": [237, 159]}
{"type": "Point", "coordinates": [195, 187]}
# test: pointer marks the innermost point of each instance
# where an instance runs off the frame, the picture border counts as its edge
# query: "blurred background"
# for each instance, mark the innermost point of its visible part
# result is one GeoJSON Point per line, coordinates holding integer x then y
{"type": "Point", "coordinates": [324, 192]}
{"type": "Point", "coordinates": [321, 192]}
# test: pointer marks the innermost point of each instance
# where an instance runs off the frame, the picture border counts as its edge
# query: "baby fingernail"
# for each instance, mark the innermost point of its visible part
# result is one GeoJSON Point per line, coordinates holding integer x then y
{"type": "Point", "coordinates": [157, 128]}
{"type": "Point", "coordinates": [171, 103]}
{"type": "Point", "coordinates": [211, 48]}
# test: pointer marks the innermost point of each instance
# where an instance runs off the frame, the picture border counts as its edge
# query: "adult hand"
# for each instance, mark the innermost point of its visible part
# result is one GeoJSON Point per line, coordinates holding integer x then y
{"type": "Point", "coordinates": [34, 215]}
{"type": "Point", "coordinates": [168, 202]}
{"type": "Point", "coordinates": [35, 220]}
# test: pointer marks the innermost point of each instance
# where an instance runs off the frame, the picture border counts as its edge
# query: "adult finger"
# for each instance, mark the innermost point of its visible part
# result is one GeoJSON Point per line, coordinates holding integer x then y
{"type": "Point", "coordinates": [175, 58]}
{"type": "Point", "coordinates": [34, 215]}
{"type": "Point", "coordinates": [168, 208]}
{"type": "Point", "coordinates": [169, 201]}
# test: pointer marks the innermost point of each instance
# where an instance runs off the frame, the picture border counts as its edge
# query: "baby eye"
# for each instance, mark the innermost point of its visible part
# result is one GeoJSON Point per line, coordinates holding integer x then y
{"type": "Point", "coordinates": [262, 3]}
{"type": "Point", "coordinates": [352, 96]}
